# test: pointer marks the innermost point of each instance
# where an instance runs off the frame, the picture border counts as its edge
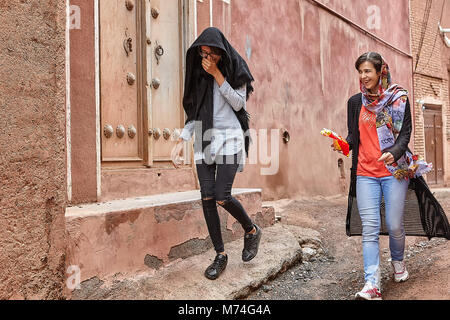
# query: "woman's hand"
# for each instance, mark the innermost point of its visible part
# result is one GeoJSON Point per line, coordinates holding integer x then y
{"type": "Point", "coordinates": [387, 158]}
{"type": "Point", "coordinates": [177, 153]}
{"type": "Point", "coordinates": [211, 67]}
{"type": "Point", "coordinates": [335, 145]}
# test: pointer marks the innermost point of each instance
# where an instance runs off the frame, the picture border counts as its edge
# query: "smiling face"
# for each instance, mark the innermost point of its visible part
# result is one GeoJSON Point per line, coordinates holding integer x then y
{"type": "Point", "coordinates": [369, 76]}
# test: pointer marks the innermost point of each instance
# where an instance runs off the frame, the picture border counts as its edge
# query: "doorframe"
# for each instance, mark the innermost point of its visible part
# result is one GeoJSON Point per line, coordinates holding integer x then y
{"type": "Point", "coordinates": [144, 92]}
{"type": "Point", "coordinates": [189, 34]}
{"type": "Point", "coordinates": [97, 96]}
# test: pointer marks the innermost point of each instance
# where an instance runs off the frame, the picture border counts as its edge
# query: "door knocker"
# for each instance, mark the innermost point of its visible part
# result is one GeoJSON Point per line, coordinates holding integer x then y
{"type": "Point", "coordinates": [128, 46]}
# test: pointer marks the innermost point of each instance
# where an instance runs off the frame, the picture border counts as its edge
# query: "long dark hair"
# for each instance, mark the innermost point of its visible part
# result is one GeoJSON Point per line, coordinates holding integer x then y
{"type": "Point", "coordinates": [373, 57]}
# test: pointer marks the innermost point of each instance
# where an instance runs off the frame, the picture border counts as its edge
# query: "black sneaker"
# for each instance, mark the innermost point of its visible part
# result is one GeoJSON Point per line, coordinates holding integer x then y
{"type": "Point", "coordinates": [217, 267]}
{"type": "Point", "coordinates": [251, 244]}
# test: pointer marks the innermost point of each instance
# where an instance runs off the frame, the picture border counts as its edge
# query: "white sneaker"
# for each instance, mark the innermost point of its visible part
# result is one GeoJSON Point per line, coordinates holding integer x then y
{"type": "Point", "coordinates": [400, 272]}
{"type": "Point", "coordinates": [369, 292]}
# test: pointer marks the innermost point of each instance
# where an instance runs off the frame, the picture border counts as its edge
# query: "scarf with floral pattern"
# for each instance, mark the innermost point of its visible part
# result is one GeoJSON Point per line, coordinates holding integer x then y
{"type": "Point", "coordinates": [389, 105]}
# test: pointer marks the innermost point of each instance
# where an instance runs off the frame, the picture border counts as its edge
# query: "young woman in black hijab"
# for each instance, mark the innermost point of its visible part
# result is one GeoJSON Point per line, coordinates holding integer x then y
{"type": "Point", "coordinates": [217, 86]}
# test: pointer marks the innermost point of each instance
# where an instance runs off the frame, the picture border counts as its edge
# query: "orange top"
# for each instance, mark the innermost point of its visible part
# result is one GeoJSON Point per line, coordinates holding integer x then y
{"type": "Point", "coordinates": [369, 147]}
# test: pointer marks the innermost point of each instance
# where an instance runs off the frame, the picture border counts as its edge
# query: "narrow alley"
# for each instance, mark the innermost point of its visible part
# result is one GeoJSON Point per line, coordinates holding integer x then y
{"type": "Point", "coordinates": [335, 271]}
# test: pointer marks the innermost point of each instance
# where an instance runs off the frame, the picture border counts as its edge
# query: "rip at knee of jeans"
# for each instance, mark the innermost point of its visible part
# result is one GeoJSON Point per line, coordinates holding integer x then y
{"type": "Point", "coordinates": [207, 195]}
{"type": "Point", "coordinates": [223, 202]}
{"type": "Point", "coordinates": [208, 201]}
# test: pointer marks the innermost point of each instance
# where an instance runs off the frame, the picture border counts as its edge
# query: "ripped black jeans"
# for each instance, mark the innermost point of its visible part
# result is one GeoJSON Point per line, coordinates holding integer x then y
{"type": "Point", "coordinates": [216, 181]}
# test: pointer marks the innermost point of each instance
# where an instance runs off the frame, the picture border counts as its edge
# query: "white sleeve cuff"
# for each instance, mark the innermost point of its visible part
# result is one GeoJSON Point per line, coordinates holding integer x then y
{"type": "Point", "coordinates": [188, 131]}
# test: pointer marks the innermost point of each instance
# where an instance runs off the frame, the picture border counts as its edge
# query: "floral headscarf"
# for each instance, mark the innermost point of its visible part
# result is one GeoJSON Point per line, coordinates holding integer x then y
{"type": "Point", "coordinates": [389, 105]}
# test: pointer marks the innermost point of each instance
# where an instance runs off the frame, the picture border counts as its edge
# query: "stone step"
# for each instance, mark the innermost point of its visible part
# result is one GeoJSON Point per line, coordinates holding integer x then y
{"type": "Point", "coordinates": [281, 247]}
{"type": "Point", "coordinates": [146, 234]}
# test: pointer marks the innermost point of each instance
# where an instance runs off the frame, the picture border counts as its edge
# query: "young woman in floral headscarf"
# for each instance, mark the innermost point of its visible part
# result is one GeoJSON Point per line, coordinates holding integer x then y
{"type": "Point", "coordinates": [379, 127]}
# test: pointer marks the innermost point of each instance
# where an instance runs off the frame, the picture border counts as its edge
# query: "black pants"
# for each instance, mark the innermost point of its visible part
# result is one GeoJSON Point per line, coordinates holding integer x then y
{"type": "Point", "coordinates": [216, 181]}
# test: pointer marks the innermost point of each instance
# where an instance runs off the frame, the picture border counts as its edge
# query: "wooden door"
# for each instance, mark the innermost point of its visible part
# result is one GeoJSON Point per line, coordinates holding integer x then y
{"type": "Point", "coordinates": [434, 144]}
{"type": "Point", "coordinates": [140, 80]}
{"type": "Point", "coordinates": [165, 76]}
{"type": "Point", "coordinates": [121, 111]}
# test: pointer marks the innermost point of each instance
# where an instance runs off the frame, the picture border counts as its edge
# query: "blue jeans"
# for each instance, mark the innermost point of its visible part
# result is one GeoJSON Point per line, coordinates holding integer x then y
{"type": "Point", "coordinates": [368, 194]}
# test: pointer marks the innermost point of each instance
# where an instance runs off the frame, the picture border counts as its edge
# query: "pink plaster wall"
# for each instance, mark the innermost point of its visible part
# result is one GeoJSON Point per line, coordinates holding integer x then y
{"type": "Point", "coordinates": [203, 17]}
{"type": "Point", "coordinates": [394, 18]}
{"type": "Point", "coordinates": [302, 58]}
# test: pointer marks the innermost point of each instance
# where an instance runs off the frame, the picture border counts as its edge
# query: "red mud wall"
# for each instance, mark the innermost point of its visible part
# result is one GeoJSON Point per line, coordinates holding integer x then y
{"type": "Point", "coordinates": [302, 58]}
{"type": "Point", "coordinates": [82, 103]}
{"type": "Point", "coordinates": [32, 149]}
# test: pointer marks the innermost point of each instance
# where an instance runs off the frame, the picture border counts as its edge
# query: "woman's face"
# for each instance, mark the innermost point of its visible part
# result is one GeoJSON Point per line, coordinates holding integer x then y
{"type": "Point", "coordinates": [369, 76]}
{"type": "Point", "coordinates": [207, 53]}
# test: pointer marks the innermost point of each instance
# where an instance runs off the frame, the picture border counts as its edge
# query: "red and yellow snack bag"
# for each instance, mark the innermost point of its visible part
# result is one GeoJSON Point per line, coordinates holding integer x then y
{"type": "Point", "coordinates": [339, 142]}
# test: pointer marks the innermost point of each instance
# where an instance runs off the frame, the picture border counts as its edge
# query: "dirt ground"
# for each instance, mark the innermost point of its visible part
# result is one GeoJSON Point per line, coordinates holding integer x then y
{"type": "Point", "coordinates": [337, 273]}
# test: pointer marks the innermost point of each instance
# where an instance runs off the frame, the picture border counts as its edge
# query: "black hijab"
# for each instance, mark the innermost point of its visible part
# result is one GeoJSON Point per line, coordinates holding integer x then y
{"type": "Point", "coordinates": [198, 86]}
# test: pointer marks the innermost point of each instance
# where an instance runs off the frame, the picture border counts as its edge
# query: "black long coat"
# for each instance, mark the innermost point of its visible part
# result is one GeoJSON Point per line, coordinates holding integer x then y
{"type": "Point", "coordinates": [423, 215]}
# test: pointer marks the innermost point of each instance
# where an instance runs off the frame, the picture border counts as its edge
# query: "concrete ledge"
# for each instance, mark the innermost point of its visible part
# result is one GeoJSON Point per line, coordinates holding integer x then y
{"type": "Point", "coordinates": [279, 249]}
{"type": "Point", "coordinates": [136, 203]}
{"type": "Point", "coordinates": [132, 236]}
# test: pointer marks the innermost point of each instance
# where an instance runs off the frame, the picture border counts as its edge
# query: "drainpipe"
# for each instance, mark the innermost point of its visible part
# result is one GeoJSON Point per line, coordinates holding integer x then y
{"type": "Point", "coordinates": [443, 32]}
